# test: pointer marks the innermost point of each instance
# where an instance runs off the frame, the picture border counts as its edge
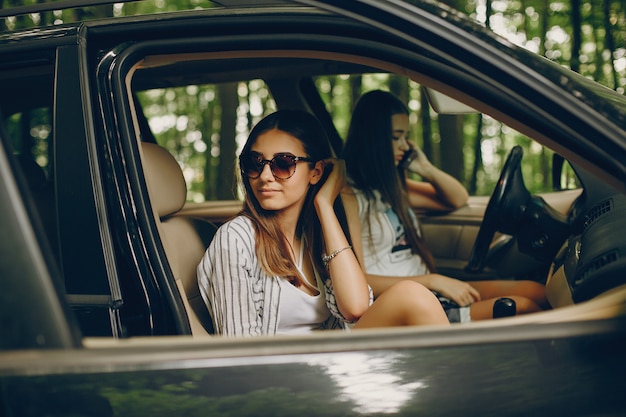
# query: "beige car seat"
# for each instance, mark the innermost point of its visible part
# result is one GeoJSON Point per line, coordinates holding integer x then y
{"type": "Point", "coordinates": [184, 238]}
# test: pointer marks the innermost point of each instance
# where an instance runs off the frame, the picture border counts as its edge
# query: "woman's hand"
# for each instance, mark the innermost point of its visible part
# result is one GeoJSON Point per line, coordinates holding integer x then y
{"type": "Point", "coordinates": [458, 291]}
{"type": "Point", "coordinates": [335, 182]}
{"type": "Point", "coordinates": [420, 164]}
{"type": "Point", "coordinates": [444, 192]}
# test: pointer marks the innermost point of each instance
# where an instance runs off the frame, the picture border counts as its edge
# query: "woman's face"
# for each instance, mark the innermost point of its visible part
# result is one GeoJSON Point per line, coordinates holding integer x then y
{"type": "Point", "coordinates": [286, 195]}
{"type": "Point", "coordinates": [400, 136]}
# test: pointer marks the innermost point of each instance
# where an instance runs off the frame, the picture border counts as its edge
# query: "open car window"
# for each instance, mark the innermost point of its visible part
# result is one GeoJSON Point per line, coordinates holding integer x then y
{"type": "Point", "coordinates": [201, 106]}
{"type": "Point", "coordinates": [204, 126]}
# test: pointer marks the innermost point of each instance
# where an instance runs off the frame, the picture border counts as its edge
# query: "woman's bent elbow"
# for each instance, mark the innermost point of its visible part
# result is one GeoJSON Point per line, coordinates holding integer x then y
{"type": "Point", "coordinates": [354, 313]}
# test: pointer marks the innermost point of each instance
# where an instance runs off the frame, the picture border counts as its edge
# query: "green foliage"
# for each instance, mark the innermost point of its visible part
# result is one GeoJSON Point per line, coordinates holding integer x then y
{"type": "Point", "coordinates": [587, 36]}
{"type": "Point", "coordinates": [541, 27]}
{"type": "Point", "coordinates": [30, 132]}
{"type": "Point", "coordinates": [58, 17]}
{"type": "Point", "coordinates": [190, 121]}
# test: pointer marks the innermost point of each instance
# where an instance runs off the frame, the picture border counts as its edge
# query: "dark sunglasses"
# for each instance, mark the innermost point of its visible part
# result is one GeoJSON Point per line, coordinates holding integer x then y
{"type": "Point", "coordinates": [283, 165]}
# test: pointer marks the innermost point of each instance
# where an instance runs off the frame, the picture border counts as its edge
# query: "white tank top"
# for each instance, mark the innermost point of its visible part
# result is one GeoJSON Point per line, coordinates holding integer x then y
{"type": "Point", "coordinates": [388, 252]}
{"type": "Point", "coordinates": [299, 312]}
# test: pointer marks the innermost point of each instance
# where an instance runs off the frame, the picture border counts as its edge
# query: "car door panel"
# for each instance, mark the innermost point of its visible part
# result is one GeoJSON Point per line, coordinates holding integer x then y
{"type": "Point", "coordinates": [451, 237]}
{"type": "Point", "coordinates": [358, 374]}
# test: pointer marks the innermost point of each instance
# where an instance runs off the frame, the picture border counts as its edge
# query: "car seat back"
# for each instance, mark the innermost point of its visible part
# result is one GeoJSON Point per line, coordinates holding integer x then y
{"type": "Point", "coordinates": [184, 238]}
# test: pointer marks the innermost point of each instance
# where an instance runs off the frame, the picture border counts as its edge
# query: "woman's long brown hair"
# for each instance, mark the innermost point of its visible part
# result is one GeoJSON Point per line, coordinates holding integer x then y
{"type": "Point", "coordinates": [369, 157]}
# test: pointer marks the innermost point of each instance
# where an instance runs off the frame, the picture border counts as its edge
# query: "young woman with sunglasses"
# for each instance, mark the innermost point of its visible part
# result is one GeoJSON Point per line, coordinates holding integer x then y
{"type": "Point", "coordinates": [285, 264]}
{"type": "Point", "coordinates": [391, 246]}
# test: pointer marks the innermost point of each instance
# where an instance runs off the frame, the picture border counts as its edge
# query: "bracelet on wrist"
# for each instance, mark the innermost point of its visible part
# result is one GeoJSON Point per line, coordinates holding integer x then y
{"type": "Point", "coordinates": [327, 258]}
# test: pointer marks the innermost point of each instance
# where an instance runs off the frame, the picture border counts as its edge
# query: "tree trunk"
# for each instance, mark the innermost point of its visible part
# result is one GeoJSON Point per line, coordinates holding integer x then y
{"type": "Point", "coordinates": [427, 129]}
{"type": "Point", "coordinates": [356, 81]}
{"type": "Point", "coordinates": [545, 20]}
{"type": "Point", "coordinates": [226, 185]}
{"type": "Point", "coordinates": [576, 36]}
{"type": "Point", "coordinates": [609, 43]}
{"type": "Point", "coordinates": [208, 118]}
{"type": "Point", "coordinates": [451, 145]}
{"type": "Point", "coordinates": [478, 157]}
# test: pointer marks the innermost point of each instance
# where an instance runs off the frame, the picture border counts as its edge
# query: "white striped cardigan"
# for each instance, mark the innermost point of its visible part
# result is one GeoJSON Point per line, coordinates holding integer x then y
{"type": "Point", "coordinates": [241, 298]}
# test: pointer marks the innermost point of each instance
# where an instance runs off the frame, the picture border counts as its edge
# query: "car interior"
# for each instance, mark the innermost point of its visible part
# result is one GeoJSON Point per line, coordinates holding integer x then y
{"type": "Point", "coordinates": [581, 284]}
{"type": "Point", "coordinates": [452, 237]}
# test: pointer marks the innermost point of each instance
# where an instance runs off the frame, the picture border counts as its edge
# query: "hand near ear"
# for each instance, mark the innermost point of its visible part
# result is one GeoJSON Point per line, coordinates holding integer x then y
{"type": "Point", "coordinates": [335, 182]}
{"type": "Point", "coordinates": [420, 165]}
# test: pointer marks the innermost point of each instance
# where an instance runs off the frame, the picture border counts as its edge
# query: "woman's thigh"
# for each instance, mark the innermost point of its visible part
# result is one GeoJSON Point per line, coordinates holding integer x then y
{"type": "Point", "coordinates": [406, 303]}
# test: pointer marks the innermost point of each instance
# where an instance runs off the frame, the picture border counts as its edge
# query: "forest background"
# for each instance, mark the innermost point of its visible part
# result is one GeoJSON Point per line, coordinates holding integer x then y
{"type": "Point", "coordinates": [587, 36]}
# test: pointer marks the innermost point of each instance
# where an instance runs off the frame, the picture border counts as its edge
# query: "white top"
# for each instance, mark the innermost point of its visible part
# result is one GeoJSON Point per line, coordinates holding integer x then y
{"type": "Point", "coordinates": [241, 298]}
{"type": "Point", "coordinates": [388, 252]}
{"type": "Point", "coordinates": [299, 312]}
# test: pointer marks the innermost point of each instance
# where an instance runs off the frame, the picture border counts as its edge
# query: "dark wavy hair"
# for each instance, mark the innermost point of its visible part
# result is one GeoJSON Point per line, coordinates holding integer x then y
{"type": "Point", "coordinates": [369, 157]}
{"type": "Point", "coordinates": [271, 245]}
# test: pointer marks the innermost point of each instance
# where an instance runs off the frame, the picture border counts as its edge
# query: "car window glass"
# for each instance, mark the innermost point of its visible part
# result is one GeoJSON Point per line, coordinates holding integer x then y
{"type": "Point", "coordinates": [30, 133]}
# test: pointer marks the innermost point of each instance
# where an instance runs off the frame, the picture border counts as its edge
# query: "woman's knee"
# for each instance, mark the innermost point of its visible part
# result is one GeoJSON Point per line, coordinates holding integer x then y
{"type": "Point", "coordinates": [535, 293]}
{"type": "Point", "coordinates": [410, 291]}
{"type": "Point", "coordinates": [416, 302]}
{"type": "Point", "coordinates": [524, 305]}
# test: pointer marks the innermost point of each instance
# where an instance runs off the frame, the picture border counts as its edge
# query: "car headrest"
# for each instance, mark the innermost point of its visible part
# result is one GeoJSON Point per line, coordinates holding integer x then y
{"type": "Point", "coordinates": [166, 183]}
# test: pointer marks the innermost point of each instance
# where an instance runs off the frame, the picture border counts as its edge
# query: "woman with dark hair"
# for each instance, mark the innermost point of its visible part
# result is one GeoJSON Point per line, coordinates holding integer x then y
{"type": "Point", "coordinates": [285, 264]}
{"type": "Point", "coordinates": [378, 154]}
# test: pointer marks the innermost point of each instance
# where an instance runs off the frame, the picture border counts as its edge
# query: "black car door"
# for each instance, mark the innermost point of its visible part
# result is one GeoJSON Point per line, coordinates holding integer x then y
{"type": "Point", "coordinates": [33, 313]}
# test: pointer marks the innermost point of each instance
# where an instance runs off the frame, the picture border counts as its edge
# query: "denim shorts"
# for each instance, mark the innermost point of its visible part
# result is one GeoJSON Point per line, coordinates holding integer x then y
{"type": "Point", "coordinates": [455, 313]}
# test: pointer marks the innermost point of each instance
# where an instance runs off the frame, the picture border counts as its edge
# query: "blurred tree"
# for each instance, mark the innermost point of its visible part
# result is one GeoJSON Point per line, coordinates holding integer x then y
{"type": "Point", "coordinates": [609, 43]}
{"type": "Point", "coordinates": [225, 184]}
{"type": "Point", "coordinates": [588, 36]}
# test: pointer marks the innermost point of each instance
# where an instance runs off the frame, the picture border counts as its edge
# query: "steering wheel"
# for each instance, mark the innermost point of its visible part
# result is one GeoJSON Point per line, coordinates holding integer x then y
{"type": "Point", "coordinates": [504, 210]}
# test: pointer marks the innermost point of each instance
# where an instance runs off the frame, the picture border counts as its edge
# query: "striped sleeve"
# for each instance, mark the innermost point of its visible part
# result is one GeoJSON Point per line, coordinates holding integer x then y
{"type": "Point", "coordinates": [331, 301]}
{"type": "Point", "coordinates": [231, 283]}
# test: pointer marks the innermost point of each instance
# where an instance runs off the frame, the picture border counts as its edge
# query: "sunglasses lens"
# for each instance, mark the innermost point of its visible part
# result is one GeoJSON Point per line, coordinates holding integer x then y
{"type": "Point", "coordinates": [252, 165]}
{"type": "Point", "coordinates": [283, 166]}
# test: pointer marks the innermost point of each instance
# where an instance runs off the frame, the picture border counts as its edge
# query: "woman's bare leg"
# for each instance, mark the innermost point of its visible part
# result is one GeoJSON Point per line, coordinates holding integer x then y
{"type": "Point", "coordinates": [483, 310]}
{"type": "Point", "coordinates": [528, 289]}
{"type": "Point", "coordinates": [529, 297]}
{"type": "Point", "coordinates": [406, 303]}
